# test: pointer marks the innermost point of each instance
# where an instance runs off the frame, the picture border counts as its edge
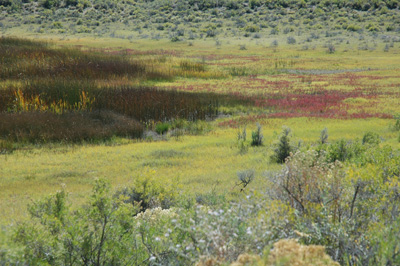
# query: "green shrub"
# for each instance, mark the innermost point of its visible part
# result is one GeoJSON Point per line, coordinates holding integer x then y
{"type": "Point", "coordinates": [149, 192]}
{"type": "Point", "coordinates": [331, 49]}
{"type": "Point", "coordinates": [252, 28]}
{"type": "Point", "coordinates": [353, 27]}
{"type": "Point", "coordinates": [175, 39]}
{"type": "Point", "coordinates": [241, 139]}
{"type": "Point", "coordinates": [323, 139]}
{"type": "Point", "coordinates": [50, 3]}
{"type": "Point", "coordinates": [162, 128]}
{"type": "Point", "coordinates": [371, 138]}
{"type": "Point", "coordinates": [245, 178]}
{"type": "Point", "coordinates": [283, 148]}
{"type": "Point", "coordinates": [257, 137]}
{"type": "Point", "coordinates": [95, 234]}
{"type": "Point", "coordinates": [6, 146]}
{"type": "Point", "coordinates": [343, 150]}
{"type": "Point", "coordinates": [291, 40]}
{"type": "Point", "coordinates": [242, 135]}
{"type": "Point", "coordinates": [110, 230]}
{"type": "Point", "coordinates": [397, 124]}
{"type": "Point", "coordinates": [338, 151]}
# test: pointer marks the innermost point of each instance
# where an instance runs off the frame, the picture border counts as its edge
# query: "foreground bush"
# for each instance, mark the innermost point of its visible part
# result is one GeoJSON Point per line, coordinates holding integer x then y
{"type": "Point", "coordinates": [343, 209]}
{"type": "Point", "coordinates": [110, 230]}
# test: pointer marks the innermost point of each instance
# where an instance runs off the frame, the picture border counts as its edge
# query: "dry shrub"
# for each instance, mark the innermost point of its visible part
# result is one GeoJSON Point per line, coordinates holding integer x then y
{"type": "Point", "coordinates": [289, 252]}
{"type": "Point", "coordinates": [286, 252]}
{"type": "Point", "coordinates": [246, 259]}
{"type": "Point", "coordinates": [242, 260]}
{"type": "Point", "coordinates": [208, 262]}
{"type": "Point", "coordinates": [71, 127]}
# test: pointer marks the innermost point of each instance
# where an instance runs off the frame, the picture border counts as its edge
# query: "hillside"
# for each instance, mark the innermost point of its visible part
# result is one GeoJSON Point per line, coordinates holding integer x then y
{"type": "Point", "coordinates": [190, 20]}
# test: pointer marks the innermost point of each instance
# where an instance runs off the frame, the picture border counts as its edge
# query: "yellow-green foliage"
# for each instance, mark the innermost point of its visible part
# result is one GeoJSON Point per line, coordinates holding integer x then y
{"type": "Point", "coordinates": [289, 252]}
{"type": "Point", "coordinates": [154, 188]}
{"type": "Point", "coordinates": [35, 103]}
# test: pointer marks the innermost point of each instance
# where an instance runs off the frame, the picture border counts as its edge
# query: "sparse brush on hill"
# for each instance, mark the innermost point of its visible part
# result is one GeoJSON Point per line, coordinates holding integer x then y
{"type": "Point", "coordinates": [152, 19]}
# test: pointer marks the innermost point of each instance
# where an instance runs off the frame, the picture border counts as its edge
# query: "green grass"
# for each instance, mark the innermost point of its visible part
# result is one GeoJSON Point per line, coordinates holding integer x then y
{"type": "Point", "coordinates": [200, 163]}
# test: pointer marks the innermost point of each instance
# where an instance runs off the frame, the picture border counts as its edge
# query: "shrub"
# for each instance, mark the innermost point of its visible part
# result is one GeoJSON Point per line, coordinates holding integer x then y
{"type": "Point", "coordinates": [109, 230]}
{"type": "Point", "coordinates": [371, 138]}
{"type": "Point", "coordinates": [175, 39]}
{"type": "Point", "coordinates": [274, 43]}
{"type": "Point", "coordinates": [338, 151]}
{"type": "Point", "coordinates": [291, 40]}
{"type": "Point", "coordinates": [149, 192]}
{"type": "Point", "coordinates": [284, 252]}
{"type": "Point", "coordinates": [353, 27]}
{"type": "Point", "coordinates": [397, 124]}
{"type": "Point", "coordinates": [257, 137]}
{"type": "Point", "coordinates": [331, 49]}
{"type": "Point", "coordinates": [252, 28]}
{"type": "Point", "coordinates": [242, 135]}
{"type": "Point", "coordinates": [283, 147]}
{"type": "Point", "coordinates": [162, 128]}
{"type": "Point", "coordinates": [386, 49]}
{"type": "Point", "coordinates": [241, 138]}
{"type": "Point", "coordinates": [6, 146]}
{"type": "Point", "coordinates": [95, 234]}
{"type": "Point", "coordinates": [343, 150]}
{"type": "Point", "coordinates": [50, 3]}
{"type": "Point", "coordinates": [302, 177]}
{"type": "Point", "coordinates": [245, 178]}
{"type": "Point", "coordinates": [274, 31]}
{"type": "Point", "coordinates": [323, 139]}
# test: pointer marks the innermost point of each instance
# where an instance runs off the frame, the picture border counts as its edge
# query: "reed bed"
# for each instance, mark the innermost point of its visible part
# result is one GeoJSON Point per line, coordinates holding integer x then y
{"type": "Point", "coordinates": [59, 94]}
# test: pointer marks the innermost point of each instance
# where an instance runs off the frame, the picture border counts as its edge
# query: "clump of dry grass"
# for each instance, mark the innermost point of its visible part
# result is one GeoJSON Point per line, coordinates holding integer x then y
{"type": "Point", "coordinates": [246, 259]}
{"type": "Point", "coordinates": [289, 252]}
{"type": "Point", "coordinates": [286, 252]}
